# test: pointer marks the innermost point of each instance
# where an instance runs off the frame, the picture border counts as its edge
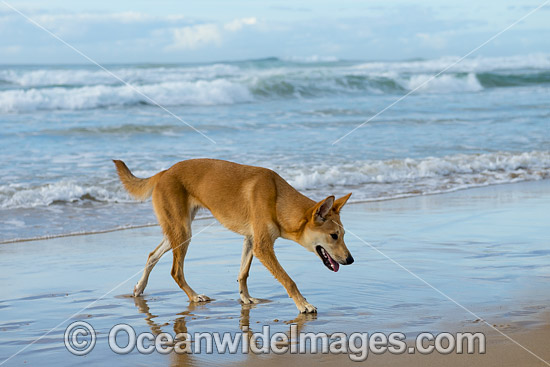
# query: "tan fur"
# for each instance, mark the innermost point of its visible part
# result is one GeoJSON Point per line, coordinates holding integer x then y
{"type": "Point", "coordinates": [139, 188]}
{"type": "Point", "coordinates": [252, 201]}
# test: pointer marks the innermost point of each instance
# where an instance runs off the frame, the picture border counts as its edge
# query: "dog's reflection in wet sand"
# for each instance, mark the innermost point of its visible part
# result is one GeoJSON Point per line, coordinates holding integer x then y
{"type": "Point", "coordinates": [187, 358]}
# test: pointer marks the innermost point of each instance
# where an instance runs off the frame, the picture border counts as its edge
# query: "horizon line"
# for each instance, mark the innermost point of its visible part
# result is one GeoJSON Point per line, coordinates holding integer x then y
{"type": "Point", "coordinates": [295, 59]}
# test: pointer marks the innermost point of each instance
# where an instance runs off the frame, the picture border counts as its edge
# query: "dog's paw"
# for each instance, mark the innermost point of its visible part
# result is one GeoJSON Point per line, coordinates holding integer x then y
{"type": "Point", "coordinates": [307, 308]}
{"type": "Point", "coordinates": [201, 298]}
{"type": "Point", "coordinates": [138, 291]}
{"type": "Point", "coordinates": [249, 300]}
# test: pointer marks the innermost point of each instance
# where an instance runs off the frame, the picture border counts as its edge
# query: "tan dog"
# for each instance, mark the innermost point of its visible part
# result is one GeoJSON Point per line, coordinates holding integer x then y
{"type": "Point", "coordinates": [252, 201]}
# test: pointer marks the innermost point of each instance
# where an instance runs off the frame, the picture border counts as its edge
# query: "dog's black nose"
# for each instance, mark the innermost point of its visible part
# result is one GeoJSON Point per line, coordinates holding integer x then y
{"type": "Point", "coordinates": [349, 260]}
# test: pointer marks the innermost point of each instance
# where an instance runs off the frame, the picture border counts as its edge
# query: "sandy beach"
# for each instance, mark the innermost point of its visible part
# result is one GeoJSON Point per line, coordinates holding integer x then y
{"type": "Point", "coordinates": [485, 248]}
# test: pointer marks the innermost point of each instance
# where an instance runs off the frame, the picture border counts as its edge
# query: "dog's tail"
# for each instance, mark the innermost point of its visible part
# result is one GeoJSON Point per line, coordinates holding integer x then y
{"type": "Point", "coordinates": [139, 188]}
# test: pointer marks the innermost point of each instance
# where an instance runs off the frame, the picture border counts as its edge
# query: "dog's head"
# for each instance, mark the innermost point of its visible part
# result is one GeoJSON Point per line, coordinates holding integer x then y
{"type": "Point", "coordinates": [324, 233]}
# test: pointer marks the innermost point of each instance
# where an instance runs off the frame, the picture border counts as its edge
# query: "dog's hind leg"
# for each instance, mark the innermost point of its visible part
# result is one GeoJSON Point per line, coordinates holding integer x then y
{"type": "Point", "coordinates": [152, 260]}
{"type": "Point", "coordinates": [175, 213]}
{"type": "Point", "coordinates": [246, 261]}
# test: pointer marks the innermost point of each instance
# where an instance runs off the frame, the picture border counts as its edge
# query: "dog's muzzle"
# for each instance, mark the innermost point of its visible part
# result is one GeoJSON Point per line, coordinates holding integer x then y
{"type": "Point", "coordinates": [329, 262]}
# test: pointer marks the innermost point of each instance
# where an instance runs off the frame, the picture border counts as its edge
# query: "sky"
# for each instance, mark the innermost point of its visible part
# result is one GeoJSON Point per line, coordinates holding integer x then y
{"type": "Point", "coordinates": [188, 31]}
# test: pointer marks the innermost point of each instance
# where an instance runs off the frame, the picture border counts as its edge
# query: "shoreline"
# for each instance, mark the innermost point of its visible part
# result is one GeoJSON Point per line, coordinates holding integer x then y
{"type": "Point", "coordinates": [485, 248]}
{"type": "Point", "coordinates": [350, 202]}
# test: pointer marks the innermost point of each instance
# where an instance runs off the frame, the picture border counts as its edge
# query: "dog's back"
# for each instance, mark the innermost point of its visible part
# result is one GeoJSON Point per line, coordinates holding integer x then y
{"type": "Point", "coordinates": [235, 194]}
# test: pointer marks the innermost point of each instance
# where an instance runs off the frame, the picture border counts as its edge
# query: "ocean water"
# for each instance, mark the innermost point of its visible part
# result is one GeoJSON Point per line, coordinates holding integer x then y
{"type": "Point", "coordinates": [485, 121]}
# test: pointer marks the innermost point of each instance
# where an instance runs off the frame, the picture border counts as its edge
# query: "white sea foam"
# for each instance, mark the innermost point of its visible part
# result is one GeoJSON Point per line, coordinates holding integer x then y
{"type": "Point", "coordinates": [219, 91]}
{"type": "Point", "coordinates": [74, 88]}
{"type": "Point", "coordinates": [311, 59]}
{"type": "Point", "coordinates": [64, 191]}
{"type": "Point", "coordinates": [74, 76]}
{"type": "Point", "coordinates": [468, 65]}
{"type": "Point", "coordinates": [427, 175]}
{"type": "Point", "coordinates": [211, 92]}
{"type": "Point", "coordinates": [82, 76]}
{"type": "Point", "coordinates": [368, 179]}
{"type": "Point", "coordinates": [443, 83]}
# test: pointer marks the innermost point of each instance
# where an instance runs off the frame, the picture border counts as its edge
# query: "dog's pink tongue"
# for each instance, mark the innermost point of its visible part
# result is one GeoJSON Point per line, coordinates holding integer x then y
{"type": "Point", "coordinates": [335, 265]}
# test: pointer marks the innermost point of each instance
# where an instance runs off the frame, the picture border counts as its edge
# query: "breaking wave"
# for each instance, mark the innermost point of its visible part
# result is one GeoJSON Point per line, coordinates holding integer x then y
{"type": "Point", "coordinates": [391, 178]}
{"type": "Point", "coordinates": [369, 180]}
{"type": "Point", "coordinates": [170, 93]}
{"type": "Point", "coordinates": [76, 88]}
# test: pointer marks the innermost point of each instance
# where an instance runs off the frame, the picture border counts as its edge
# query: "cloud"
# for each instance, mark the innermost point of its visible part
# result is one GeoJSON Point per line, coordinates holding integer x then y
{"type": "Point", "coordinates": [436, 41]}
{"type": "Point", "coordinates": [47, 18]}
{"type": "Point", "coordinates": [192, 37]}
{"type": "Point", "coordinates": [237, 24]}
{"type": "Point", "coordinates": [85, 26]}
{"type": "Point", "coordinates": [346, 29]}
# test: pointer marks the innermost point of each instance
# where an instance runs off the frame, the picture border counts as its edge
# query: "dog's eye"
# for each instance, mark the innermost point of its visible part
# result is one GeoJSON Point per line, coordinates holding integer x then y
{"type": "Point", "coordinates": [334, 236]}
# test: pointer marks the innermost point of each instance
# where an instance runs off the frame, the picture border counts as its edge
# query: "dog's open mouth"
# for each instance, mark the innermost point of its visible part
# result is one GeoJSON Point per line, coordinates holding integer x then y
{"type": "Point", "coordinates": [327, 259]}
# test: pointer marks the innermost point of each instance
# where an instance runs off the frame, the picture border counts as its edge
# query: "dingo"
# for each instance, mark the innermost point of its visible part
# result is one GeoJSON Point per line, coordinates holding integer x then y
{"type": "Point", "coordinates": [252, 201]}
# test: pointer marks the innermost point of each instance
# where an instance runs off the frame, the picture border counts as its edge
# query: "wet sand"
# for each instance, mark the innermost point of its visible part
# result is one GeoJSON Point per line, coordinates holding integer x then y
{"type": "Point", "coordinates": [486, 248]}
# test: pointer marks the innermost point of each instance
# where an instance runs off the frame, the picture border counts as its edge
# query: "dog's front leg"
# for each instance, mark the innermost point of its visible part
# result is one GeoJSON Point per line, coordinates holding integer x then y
{"type": "Point", "coordinates": [264, 251]}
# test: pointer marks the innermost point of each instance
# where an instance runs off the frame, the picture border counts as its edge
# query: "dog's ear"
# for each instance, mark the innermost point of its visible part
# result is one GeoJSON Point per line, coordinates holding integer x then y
{"type": "Point", "coordinates": [321, 209]}
{"type": "Point", "coordinates": [339, 203]}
